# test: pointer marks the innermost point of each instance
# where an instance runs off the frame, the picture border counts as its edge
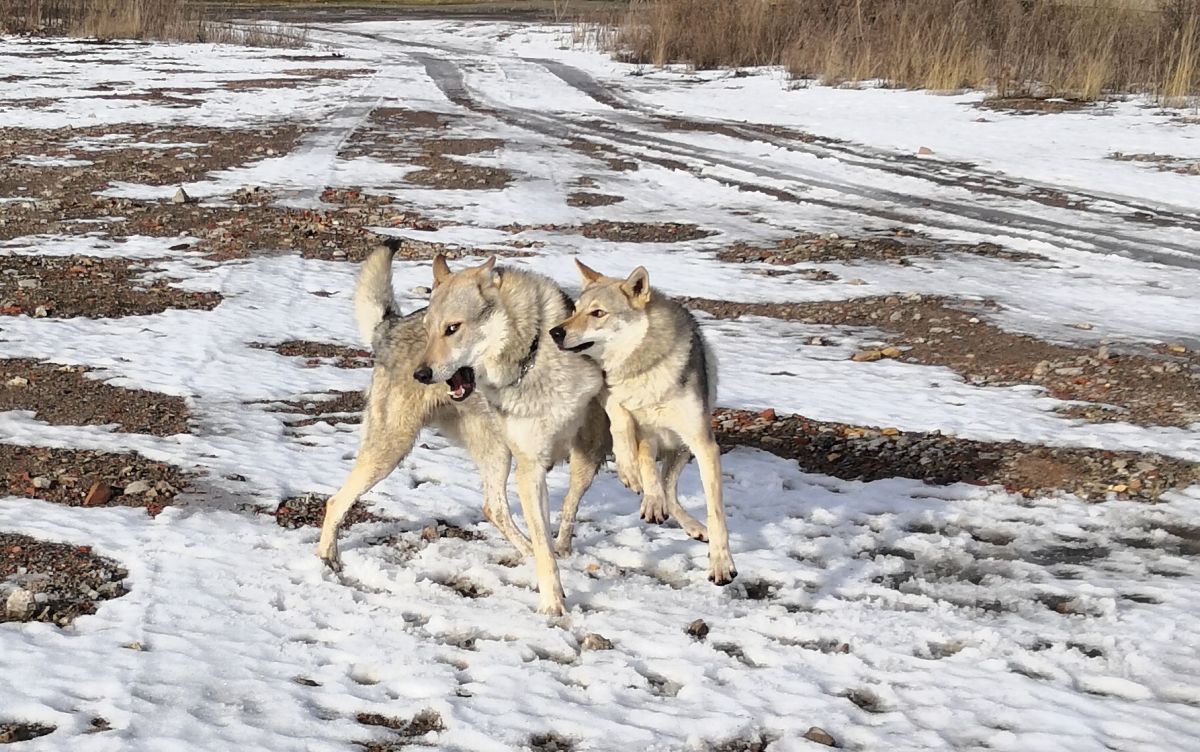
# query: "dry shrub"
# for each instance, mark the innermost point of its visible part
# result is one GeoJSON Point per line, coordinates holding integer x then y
{"type": "Point", "coordinates": [137, 19]}
{"type": "Point", "coordinates": [1070, 48]}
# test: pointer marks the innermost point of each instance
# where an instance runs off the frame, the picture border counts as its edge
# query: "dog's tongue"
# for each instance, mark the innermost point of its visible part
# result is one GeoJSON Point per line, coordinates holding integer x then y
{"type": "Point", "coordinates": [460, 386]}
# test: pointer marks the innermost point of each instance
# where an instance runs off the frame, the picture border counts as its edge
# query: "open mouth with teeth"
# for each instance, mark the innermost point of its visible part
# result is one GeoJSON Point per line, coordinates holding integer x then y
{"type": "Point", "coordinates": [462, 383]}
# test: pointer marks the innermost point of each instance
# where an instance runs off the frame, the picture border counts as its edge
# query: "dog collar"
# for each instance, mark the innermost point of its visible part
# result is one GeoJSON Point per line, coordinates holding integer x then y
{"type": "Point", "coordinates": [526, 363]}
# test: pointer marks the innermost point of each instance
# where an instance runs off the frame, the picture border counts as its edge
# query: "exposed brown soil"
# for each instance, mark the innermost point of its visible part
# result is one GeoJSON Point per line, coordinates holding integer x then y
{"type": "Point", "coordinates": [625, 232]}
{"type": "Point", "coordinates": [89, 478]}
{"type": "Point", "coordinates": [405, 733]}
{"type": "Point", "coordinates": [53, 582]}
{"type": "Point", "coordinates": [858, 453]}
{"type": "Point", "coordinates": [298, 77]}
{"type": "Point", "coordinates": [331, 408]}
{"type": "Point", "coordinates": [309, 511]}
{"type": "Point", "coordinates": [64, 396]}
{"type": "Point", "coordinates": [1164, 162]}
{"type": "Point", "coordinates": [1130, 388]}
{"type": "Point", "coordinates": [12, 732]}
{"type": "Point", "coordinates": [896, 246]}
{"type": "Point", "coordinates": [70, 286]}
{"type": "Point", "coordinates": [1033, 105]}
{"type": "Point", "coordinates": [552, 741]}
{"type": "Point", "coordinates": [451, 174]}
{"type": "Point", "coordinates": [321, 353]}
{"type": "Point", "coordinates": [586, 199]}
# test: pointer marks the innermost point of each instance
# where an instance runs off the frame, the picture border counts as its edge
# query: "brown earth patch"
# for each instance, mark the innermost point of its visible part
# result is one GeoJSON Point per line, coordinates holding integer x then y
{"type": "Point", "coordinates": [89, 478]}
{"type": "Point", "coordinates": [625, 232]}
{"type": "Point", "coordinates": [451, 174]}
{"type": "Point", "coordinates": [64, 396]}
{"type": "Point", "coordinates": [552, 741]}
{"type": "Point", "coordinates": [609, 158]}
{"type": "Point", "coordinates": [1127, 388]}
{"type": "Point", "coordinates": [587, 200]}
{"type": "Point", "coordinates": [309, 511]}
{"type": "Point", "coordinates": [12, 732]}
{"type": "Point", "coordinates": [60, 199]}
{"type": "Point", "coordinates": [321, 353]}
{"type": "Point", "coordinates": [859, 453]}
{"type": "Point", "coordinates": [53, 582]}
{"type": "Point", "coordinates": [896, 246]}
{"type": "Point", "coordinates": [406, 733]}
{"type": "Point", "coordinates": [71, 286]}
{"type": "Point", "coordinates": [331, 408]}
{"type": "Point", "coordinates": [1032, 105]}
{"type": "Point", "coordinates": [1164, 162]}
{"type": "Point", "coordinates": [460, 146]}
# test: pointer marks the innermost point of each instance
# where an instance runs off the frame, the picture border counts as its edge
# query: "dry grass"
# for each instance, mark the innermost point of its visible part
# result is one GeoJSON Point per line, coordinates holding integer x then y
{"type": "Point", "coordinates": [1065, 48]}
{"type": "Point", "coordinates": [177, 20]}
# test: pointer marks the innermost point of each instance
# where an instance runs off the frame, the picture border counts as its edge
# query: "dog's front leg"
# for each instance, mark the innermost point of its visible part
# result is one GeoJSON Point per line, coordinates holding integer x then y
{"type": "Point", "coordinates": [625, 441]}
{"type": "Point", "coordinates": [703, 444]}
{"type": "Point", "coordinates": [535, 503]}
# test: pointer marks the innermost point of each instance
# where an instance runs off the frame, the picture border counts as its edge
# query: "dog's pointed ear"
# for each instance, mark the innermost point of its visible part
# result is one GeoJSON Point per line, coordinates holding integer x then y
{"type": "Point", "coordinates": [488, 276]}
{"type": "Point", "coordinates": [588, 274]}
{"type": "Point", "coordinates": [637, 286]}
{"type": "Point", "coordinates": [441, 272]}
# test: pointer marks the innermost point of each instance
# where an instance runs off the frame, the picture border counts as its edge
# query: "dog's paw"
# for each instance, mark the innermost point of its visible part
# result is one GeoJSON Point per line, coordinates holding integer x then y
{"type": "Point", "coordinates": [696, 531]}
{"type": "Point", "coordinates": [720, 568]}
{"type": "Point", "coordinates": [333, 562]}
{"type": "Point", "coordinates": [553, 606]}
{"type": "Point", "coordinates": [628, 474]}
{"type": "Point", "coordinates": [562, 546]}
{"type": "Point", "coordinates": [654, 509]}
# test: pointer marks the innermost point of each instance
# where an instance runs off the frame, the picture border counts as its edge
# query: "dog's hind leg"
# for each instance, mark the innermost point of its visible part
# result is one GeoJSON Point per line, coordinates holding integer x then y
{"type": "Point", "coordinates": [584, 465]}
{"type": "Point", "coordinates": [375, 460]}
{"type": "Point", "coordinates": [703, 444]}
{"type": "Point", "coordinates": [588, 450]}
{"type": "Point", "coordinates": [675, 460]}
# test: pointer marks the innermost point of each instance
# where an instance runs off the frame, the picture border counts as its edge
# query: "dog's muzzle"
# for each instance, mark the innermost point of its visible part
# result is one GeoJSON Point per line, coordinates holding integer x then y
{"type": "Point", "coordinates": [558, 334]}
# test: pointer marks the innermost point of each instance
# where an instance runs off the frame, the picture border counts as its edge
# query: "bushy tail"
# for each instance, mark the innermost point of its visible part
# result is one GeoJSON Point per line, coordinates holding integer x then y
{"type": "Point", "coordinates": [373, 297]}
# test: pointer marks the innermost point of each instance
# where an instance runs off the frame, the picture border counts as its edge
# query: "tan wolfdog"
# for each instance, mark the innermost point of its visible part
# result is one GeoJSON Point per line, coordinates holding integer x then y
{"type": "Point", "coordinates": [661, 384]}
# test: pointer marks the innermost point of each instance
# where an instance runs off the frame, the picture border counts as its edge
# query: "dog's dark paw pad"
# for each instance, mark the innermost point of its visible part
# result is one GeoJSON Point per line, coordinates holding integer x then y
{"type": "Point", "coordinates": [722, 581]}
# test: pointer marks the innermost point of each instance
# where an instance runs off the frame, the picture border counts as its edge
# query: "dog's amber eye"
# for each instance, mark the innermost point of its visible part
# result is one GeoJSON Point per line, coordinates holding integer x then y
{"type": "Point", "coordinates": [599, 314]}
{"type": "Point", "coordinates": [452, 329]}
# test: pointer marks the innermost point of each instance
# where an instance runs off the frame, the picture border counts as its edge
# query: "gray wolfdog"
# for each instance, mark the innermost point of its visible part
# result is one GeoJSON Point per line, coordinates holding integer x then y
{"type": "Point", "coordinates": [398, 407]}
{"type": "Point", "coordinates": [485, 329]}
{"type": "Point", "coordinates": [661, 384]}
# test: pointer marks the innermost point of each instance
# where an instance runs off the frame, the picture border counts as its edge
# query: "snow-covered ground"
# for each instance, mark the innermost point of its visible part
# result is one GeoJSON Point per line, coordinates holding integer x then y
{"type": "Point", "coordinates": [897, 615]}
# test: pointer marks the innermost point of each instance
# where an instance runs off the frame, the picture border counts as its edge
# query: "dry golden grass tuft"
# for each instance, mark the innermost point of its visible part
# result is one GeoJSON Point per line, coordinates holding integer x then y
{"type": "Point", "coordinates": [1081, 49]}
{"type": "Point", "coordinates": [177, 20]}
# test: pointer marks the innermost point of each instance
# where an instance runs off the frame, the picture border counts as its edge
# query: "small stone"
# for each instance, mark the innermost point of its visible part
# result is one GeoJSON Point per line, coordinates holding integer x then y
{"type": "Point", "coordinates": [820, 736]}
{"type": "Point", "coordinates": [698, 629]}
{"type": "Point", "coordinates": [817, 341]}
{"type": "Point", "coordinates": [19, 604]}
{"type": "Point", "coordinates": [42, 482]}
{"type": "Point", "coordinates": [973, 320]}
{"type": "Point", "coordinates": [593, 641]}
{"type": "Point", "coordinates": [1072, 371]}
{"type": "Point", "coordinates": [924, 151]}
{"type": "Point", "coordinates": [896, 316]}
{"type": "Point", "coordinates": [40, 312]}
{"type": "Point", "coordinates": [97, 495]}
{"type": "Point", "coordinates": [421, 291]}
{"type": "Point", "coordinates": [1041, 369]}
{"type": "Point", "coordinates": [1082, 325]}
{"type": "Point", "coordinates": [1120, 488]}
{"type": "Point", "coordinates": [429, 533]}
{"type": "Point", "coordinates": [891, 352]}
{"type": "Point", "coordinates": [856, 281]}
{"type": "Point", "coordinates": [137, 487]}
{"type": "Point", "coordinates": [867, 356]}
{"type": "Point", "coordinates": [890, 431]}
{"type": "Point", "coordinates": [181, 197]}
{"type": "Point", "coordinates": [1177, 348]}
{"type": "Point", "coordinates": [29, 284]}
{"type": "Point", "coordinates": [18, 381]}
{"type": "Point", "coordinates": [768, 414]}
{"type": "Point", "coordinates": [1102, 353]}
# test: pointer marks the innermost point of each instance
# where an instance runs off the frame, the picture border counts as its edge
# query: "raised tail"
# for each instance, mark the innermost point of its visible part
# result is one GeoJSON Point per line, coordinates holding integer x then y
{"type": "Point", "coordinates": [374, 299]}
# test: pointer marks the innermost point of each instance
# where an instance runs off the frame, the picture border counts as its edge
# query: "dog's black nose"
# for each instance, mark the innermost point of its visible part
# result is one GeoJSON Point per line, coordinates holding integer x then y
{"type": "Point", "coordinates": [558, 334]}
{"type": "Point", "coordinates": [424, 374]}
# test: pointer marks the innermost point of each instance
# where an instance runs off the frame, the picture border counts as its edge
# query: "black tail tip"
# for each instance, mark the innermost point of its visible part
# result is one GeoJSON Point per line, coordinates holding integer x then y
{"type": "Point", "coordinates": [393, 244]}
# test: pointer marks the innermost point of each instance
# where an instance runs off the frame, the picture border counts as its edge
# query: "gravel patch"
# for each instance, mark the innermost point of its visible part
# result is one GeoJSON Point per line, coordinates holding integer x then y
{"type": "Point", "coordinates": [1163, 162]}
{"type": "Point", "coordinates": [12, 732]}
{"type": "Point", "coordinates": [862, 453]}
{"type": "Point", "coordinates": [321, 353]}
{"type": "Point", "coordinates": [84, 478]}
{"type": "Point", "coordinates": [296, 512]}
{"type": "Point", "coordinates": [64, 396]}
{"type": "Point", "coordinates": [1143, 389]}
{"type": "Point", "coordinates": [331, 408]}
{"type": "Point", "coordinates": [72, 286]}
{"type": "Point", "coordinates": [53, 582]}
{"type": "Point", "coordinates": [586, 199]}
{"type": "Point", "coordinates": [404, 733]}
{"type": "Point", "coordinates": [894, 246]}
{"type": "Point", "coordinates": [1033, 105]}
